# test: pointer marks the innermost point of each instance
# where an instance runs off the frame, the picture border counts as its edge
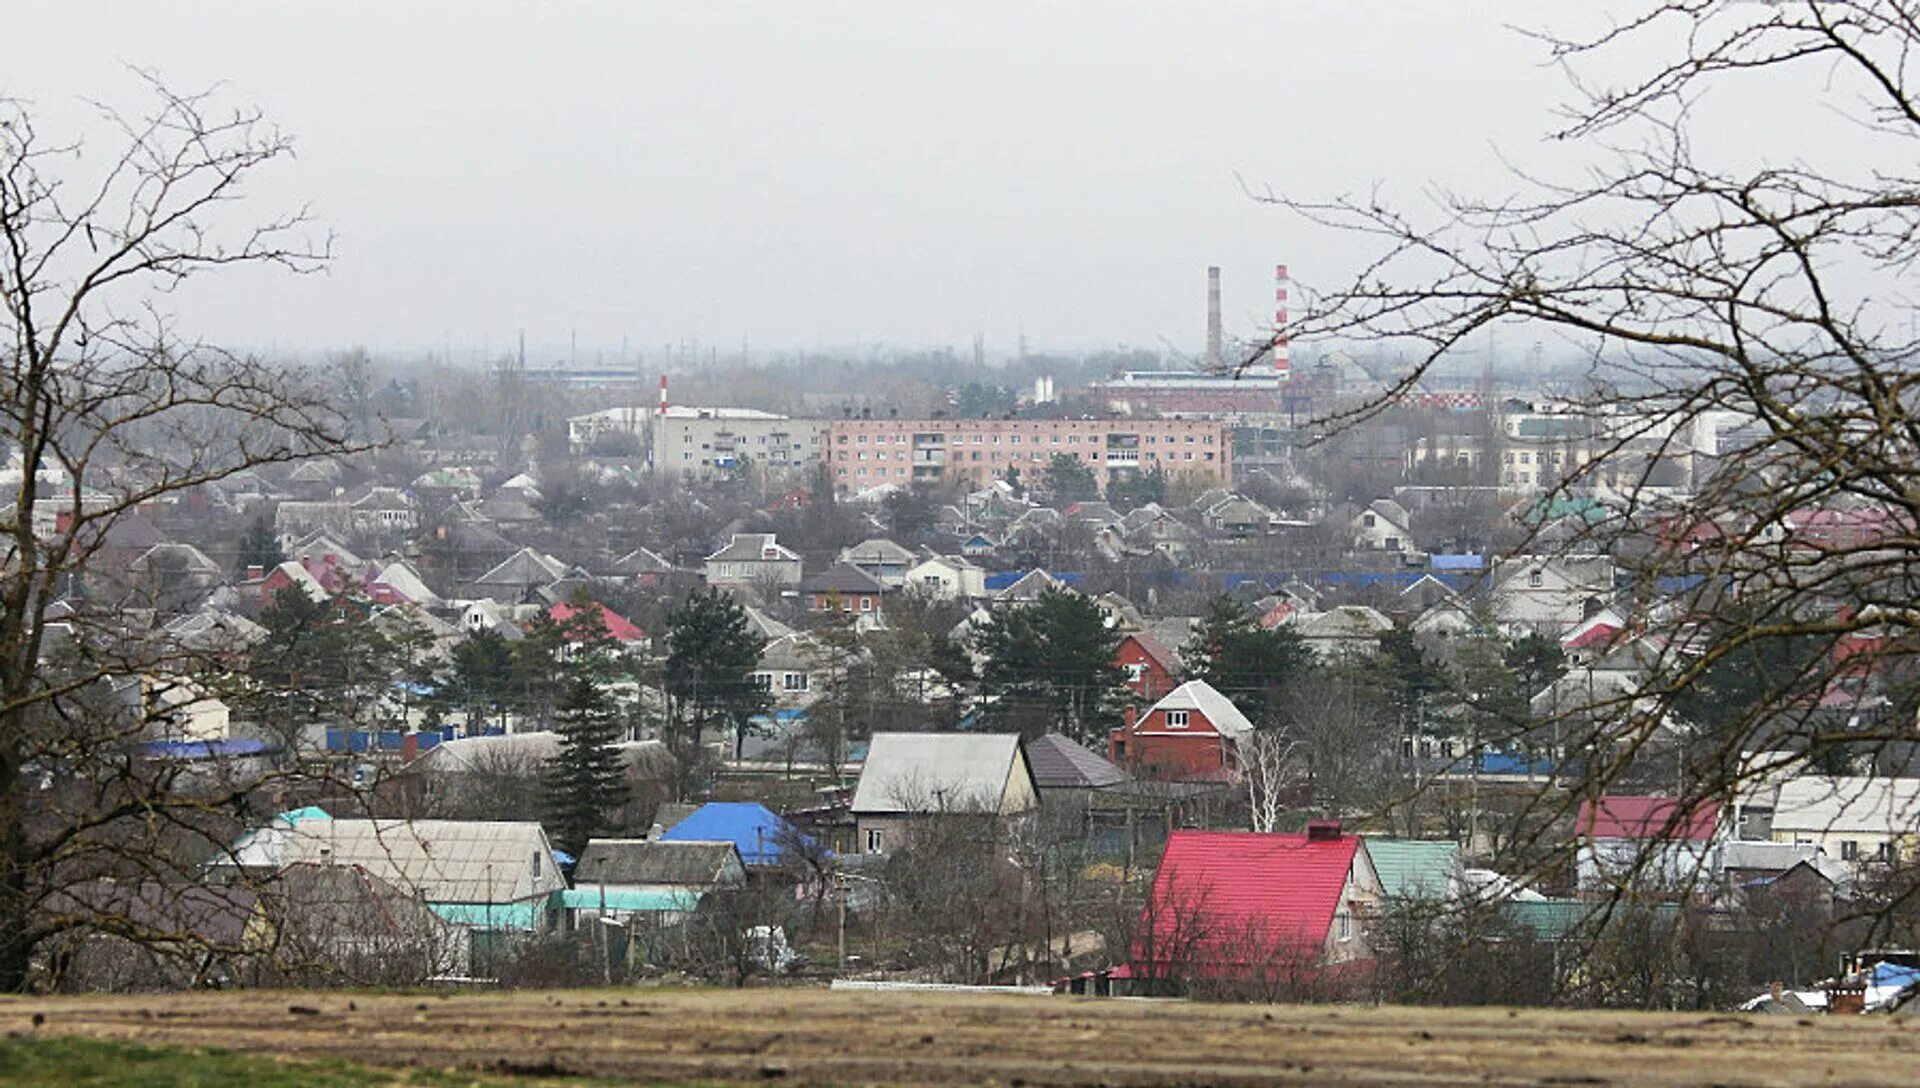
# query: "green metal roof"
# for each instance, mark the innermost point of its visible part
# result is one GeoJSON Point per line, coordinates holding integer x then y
{"type": "Point", "coordinates": [1557, 919]}
{"type": "Point", "coordinates": [646, 902]}
{"type": "Point", "coordinates": [1414, 869]}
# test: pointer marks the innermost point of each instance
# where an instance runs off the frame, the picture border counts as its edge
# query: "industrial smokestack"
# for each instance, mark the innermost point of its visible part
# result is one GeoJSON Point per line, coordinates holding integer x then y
{"type": "Point", "coordinates": [1216, 361]}
{"type": "Point", "coordinates": [663, 394]}
{"type": "Point", "coordinates": [1282, 357]}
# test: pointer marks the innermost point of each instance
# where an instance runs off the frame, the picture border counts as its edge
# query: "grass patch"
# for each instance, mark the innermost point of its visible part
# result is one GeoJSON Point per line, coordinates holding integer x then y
{"type": "Point", "coordinates": [69, 1062]}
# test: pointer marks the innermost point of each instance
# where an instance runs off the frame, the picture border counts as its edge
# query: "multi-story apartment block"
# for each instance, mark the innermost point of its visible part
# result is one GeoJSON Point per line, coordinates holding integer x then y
{"type": "Point", "coordinates": [710, 441]}
{"type": "Point", "coordinates": [865, 453]}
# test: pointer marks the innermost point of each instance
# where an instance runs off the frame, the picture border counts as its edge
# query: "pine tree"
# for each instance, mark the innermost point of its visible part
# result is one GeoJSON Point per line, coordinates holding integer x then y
{"type": "Point", "coordinates": [585, 781]}
{"type": "Point", "coordinates": [1249, 664]}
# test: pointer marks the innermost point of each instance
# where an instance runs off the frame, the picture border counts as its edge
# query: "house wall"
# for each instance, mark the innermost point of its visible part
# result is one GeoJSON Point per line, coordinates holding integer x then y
{"type": "Point", "coordinates": [1603, 862]}
{"type": "Point", "coordinates": [891, 827]}
{"type": "Point", "coordinates": [1900, 845]}
{"type": "Point", "coordinates": [1153, 680]}
{"type": "Point", "coordinates": [1158, 751]}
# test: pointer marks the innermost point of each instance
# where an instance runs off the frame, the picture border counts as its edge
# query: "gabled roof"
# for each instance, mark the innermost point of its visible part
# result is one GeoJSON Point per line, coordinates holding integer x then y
{"type": "Point", "coordinates": [937, 772]}
{"type": "Point", "coordinates": [445, 861]}
{"type": "Point", "coordinates": [1029, 586]}
{"type": "Point", "coordinates": [753, 548]}
{"type": "Point", "coordinates": [1200, 696]}
{"type": "Point", "coordinates": [877, 552]}
{"type": "Point", "coordinates": [1241, 897]}
{"type": "Point", "coordinates": [404, 580]}
{"type": "Point", "coordinates": [640, 561]}
{"type": "Point", "coordinates": [1160, 652]}
{"type": "Point", "coordinates": [842, 578]}
{"type": "Point", "coordinates": [638, 861]}
{"type": "Point", "coordinates": [1415, 869]}
{"type": "Point", "coordinates": [525, 567]}
{"type": "Point", "coordinates": [1646, 818]}
{"type": "Point", "coordinates": [1061, 763]}
{"type": "Point", "coordinates": [1347, 621]}
{"type": "Point", "coordinates": [761, 836]}
{"type": "Point", "coordinates": [618, 627]}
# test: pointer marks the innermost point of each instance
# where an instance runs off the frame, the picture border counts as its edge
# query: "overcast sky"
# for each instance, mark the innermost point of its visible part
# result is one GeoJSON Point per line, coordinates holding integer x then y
{"type": "Point", "coordinates": [801, 174]}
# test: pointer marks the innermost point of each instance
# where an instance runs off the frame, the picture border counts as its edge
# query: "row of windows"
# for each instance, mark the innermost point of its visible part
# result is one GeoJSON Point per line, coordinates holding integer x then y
{"type": "Point", "coordinates": [1035, 457]}
{"type": "Point", "coordinates": [790, 681]}
{"type": "Point", "coordinates": [1014, 439]}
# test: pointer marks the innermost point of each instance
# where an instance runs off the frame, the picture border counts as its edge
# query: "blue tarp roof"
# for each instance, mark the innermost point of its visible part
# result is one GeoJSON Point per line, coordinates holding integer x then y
{"type": "Point", "coordinates": [1439, 561]}
{"type": "Point", "coordinates": [1892, 974]}
{"type": "Point", "coordinates": [751, 827]}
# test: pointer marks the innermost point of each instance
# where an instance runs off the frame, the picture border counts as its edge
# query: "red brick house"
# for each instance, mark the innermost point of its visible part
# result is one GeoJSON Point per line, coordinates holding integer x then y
{"type": "Point", "coordinates": [1150, 666]}
{"type": "Point", "coordinates": [1187, 736]}
{"type": "Point", "coordinates": [1272, 915]}
{"type": "Point", "coordinates": [843, 587]}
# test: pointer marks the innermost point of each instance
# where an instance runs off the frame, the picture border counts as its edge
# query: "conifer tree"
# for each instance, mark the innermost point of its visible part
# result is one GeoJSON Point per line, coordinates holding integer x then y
{"type": "Point", "coordinates": [585, 781]}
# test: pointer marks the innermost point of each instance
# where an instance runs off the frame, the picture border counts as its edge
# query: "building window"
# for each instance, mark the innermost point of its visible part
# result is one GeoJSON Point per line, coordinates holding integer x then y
{"type": "Point", "coordinates": [876, 841]}
{"type": "Point", "coordinates": [1343, 926]}
{"type": "Point", "coordinates": [1849, 850]}
{"type": "Point", "coordinates": [1176, 719]}
{"type": "Point", "coordinates": [866, 604]}
{"type": "Point", "coordinates": [763, 681]}
{"type": "Point", "coordinates": [1883, 851]}
{"type": "Point", "coordinates": [1135, 673]}
{"type": "Point", "coordinates": [1534, 579]}
{"type": "Point", "coordinates": [794, 681]}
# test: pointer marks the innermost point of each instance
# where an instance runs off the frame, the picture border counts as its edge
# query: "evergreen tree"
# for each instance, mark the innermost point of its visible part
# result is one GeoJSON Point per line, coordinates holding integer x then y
{"type": "Point", "coordinates": [1249, 664]}
{"type": "Point", "coordinates": [711, 657]}
{"type": "Point", "coordinates": [1070, 480]}
{"type": "Point", "coordinates": [585, 782]}
{"type": "Point", "coordinates": [1050, 665]}
{"type": "Point", "coordinates": [260, 547]}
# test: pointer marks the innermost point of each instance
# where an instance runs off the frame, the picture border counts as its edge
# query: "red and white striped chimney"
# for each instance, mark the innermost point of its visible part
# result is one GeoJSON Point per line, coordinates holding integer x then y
{"type": "Point", "coordinates": [1282, 358]}
{"type": "Point", "coordinates": [663, 394]}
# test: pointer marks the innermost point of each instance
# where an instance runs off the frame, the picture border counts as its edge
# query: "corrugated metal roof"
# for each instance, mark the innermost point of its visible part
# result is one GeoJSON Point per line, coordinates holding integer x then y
{"type": "Point", "coordinates": [1646, 818]}
{"type": "Point", "coordinates": [1059, 762]}
{"type": "Point", "coordinates": [1229, 896]}
{"type": "Point", "coordinates": [1413, 869]}
{"type": "Point", "coordinates": [638, 902]}
{"type": "Point", "coordinates": [445, 861]}
{"type": "Point", "coordinates": [1198, 695]}
{"type": "Point", "coordinates": [1830, 805]}
{"type": "Point", "coordinates": [638, 861]}
{"type": "Point", "coordinates": [752, 828]}
{"type": "Point", "coordinates": [936, 772]}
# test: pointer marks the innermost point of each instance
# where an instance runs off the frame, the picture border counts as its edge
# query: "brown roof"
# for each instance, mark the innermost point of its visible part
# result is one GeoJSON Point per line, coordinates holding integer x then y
{"type": "Point", "coordinates": [637, 861]}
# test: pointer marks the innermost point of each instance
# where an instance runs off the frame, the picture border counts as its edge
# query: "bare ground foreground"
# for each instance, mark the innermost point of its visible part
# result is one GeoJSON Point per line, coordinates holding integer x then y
{"type": "Point", "coordinates": [812, 1037]}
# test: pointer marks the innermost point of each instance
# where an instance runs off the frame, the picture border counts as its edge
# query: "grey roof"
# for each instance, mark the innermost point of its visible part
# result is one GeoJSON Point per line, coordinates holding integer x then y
{"type": "Point", "coordinates": [670, 813]}
{"type": "Point", "coordinates": [936, 772]}
{"type": "Point", "coordinates": [525, 567]}
{"type": "Point", "coordinates": [1060, 762]}
{"type": "Point", "coordinates": [1874, 806]}
{"type": "Point", "coordinates": [444, 861]}
{"type": "Point", "coordinates": [1349, 621]}
{"type": "Point", "coordinates": [637, 861]}
{"type": "Point", "coordinates": [792, 653]}
{"type": "Point", "coordinates": [1198, 695]}
{"type": "Point", "coordinates": [875, 552]}
{"type": "Point", "coordinates": [1029, 586]}
{"type": "Point", "coordinates": [842, 578]}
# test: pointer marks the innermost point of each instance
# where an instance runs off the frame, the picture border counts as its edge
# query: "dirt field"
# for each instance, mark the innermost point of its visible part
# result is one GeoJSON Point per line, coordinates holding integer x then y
{"type": "Point", "coordinates": [812, 1037]}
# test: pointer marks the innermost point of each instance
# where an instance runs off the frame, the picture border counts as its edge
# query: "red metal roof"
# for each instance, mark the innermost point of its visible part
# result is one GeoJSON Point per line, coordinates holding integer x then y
{"type": "Point", "coordinates": [618, 627]}
{"type": "Point", "coordinates": [1646, 818]}
{"type": "Point", "coordinates": [1231, 898]}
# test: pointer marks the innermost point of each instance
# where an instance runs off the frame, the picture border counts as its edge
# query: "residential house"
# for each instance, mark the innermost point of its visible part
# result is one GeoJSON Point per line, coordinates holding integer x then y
{"type": "Point", "coordinates": [1235, 515]}
{"type": "Point", "coordinates": [1646, 841]}
{"type": "Point", "coordinates": [786, 668]}
{"type": "Point", "coordinates": [658, 880]}
{"type": "Point", "coordinates": [625, 634]}
{"type": "Point", "coordinates": [843, 587]}
{"type": "Point", "coordinates": [759, 836]}
{"type": "Point", "coordinates": [384, 510]}
{"type": "Point", "coordinates": [752, 559]}
{"type": "Point", "coordinates": [1151, 666]}
{"type": "Point", "coordinates": [886, 561]}
{"type": "Point", "coordinates": [948, 577]}
{"type": "Point", "coordinates": [1283, 914]}
{"type": "Point", "coordinates": [1027, 588]}
{"type": "Point", "coordinates": [1069, 776]}
{"type": "Point", "coordinates": [1417, 869]}
{"type": "Point", "coordinates": [1855, 819]}
{"type": "Point", "coordinates": [1384, 526]}
{"type": "Point", "coordinates": [516, 577]}
{"type": "Point", "coordinates": [1549, 595]}
{"type": "Point", "coordinates": [1343, 631]}
{"type": "Point", "coordinates": [911, 776]}
{"type": "Point", "coordinates": [482, 875]}
{"type": "Point", "coordinates": [1190, 734]}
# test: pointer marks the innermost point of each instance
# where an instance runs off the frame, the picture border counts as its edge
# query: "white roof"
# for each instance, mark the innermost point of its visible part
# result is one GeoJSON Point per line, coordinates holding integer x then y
{"type": "Point", "coordinates": [1822, 805]}
{"type": "Point", "coordinates": [682, 411]}
{"type": "Point", "coordinates": [936, 772]}
{"type": "Point", "coordinates": [406, 581]}
{"type": "Point", "coordinates": [1201, 696]}
{"type": "Point", "coordinates": [445, 861]}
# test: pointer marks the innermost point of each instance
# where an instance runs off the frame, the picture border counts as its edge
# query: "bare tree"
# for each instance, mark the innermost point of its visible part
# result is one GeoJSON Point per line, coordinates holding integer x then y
{"type": "Point", "coordinates": [1746, 318]}
{"type": "Point", "coordinates": [107, 407]}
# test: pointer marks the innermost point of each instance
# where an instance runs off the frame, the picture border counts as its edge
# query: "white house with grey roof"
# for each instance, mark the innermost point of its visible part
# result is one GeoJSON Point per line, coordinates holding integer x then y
{"type": "Point", "coordinates": [753, 559]}
{"type": "Point", "coordinates": [912, 776]}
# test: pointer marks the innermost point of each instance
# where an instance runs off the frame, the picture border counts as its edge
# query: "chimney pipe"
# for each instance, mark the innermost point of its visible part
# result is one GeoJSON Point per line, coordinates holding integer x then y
{"type": "Point", "coordinates": [663, 394]}
{"type": "Point", "coordinates": [1282, 356]}
{"type": "Point", "coordinates": [1216, 360]}
{"type": "Point", "coordinates": [1323, 830]}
